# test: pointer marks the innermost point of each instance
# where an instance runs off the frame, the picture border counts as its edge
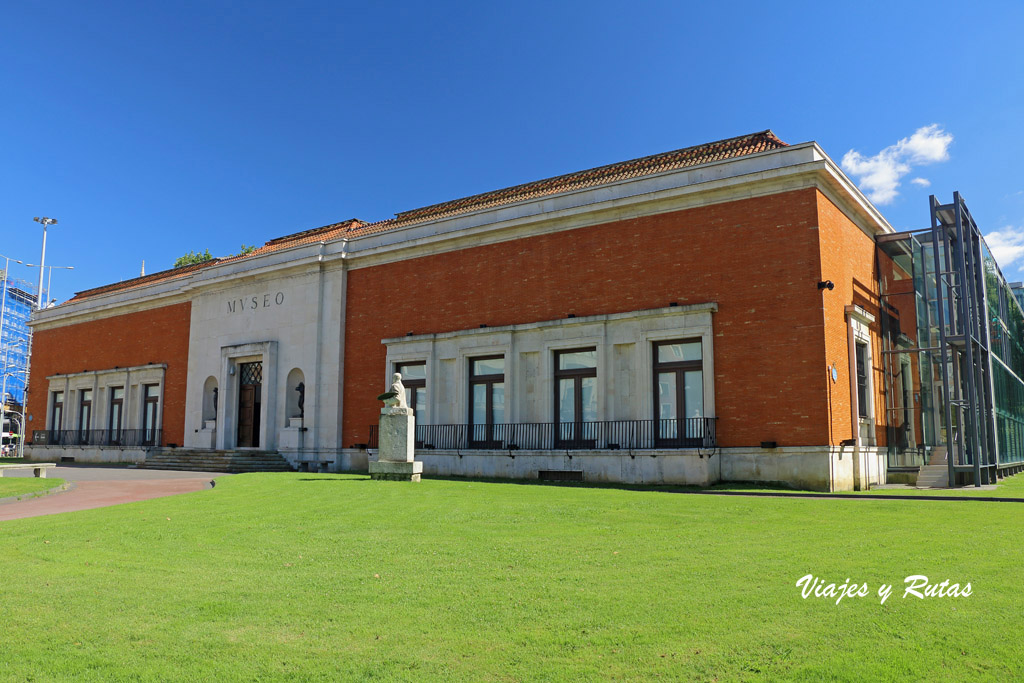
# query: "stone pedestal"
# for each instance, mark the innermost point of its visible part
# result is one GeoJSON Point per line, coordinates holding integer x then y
{"type": "Point", "coordinates": [396, 454]}
{"type": "Point", "coordinates": [292, 437]}
{"type": "Point", "coordinates": [207, 435]}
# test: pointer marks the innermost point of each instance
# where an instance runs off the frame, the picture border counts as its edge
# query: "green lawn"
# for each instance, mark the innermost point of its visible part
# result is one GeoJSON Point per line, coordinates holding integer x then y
{"type": "Point", "coordinates": [301, 576]}
{"type": "Point", "coordinates": [19, 486]}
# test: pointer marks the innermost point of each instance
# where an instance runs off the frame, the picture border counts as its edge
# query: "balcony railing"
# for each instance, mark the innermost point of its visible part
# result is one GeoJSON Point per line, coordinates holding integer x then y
{"type": "Point", "coordinates": [694, 432]}
{"type": "Point", "coordinates": [128, 438]}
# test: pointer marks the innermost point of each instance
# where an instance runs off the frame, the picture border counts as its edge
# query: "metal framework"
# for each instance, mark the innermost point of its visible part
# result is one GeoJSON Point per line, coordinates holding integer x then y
{"type": "Point", "coordinates": [954, 337]}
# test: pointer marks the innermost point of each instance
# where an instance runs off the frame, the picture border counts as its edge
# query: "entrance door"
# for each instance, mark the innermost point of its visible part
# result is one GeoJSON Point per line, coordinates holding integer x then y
{"type": "Point", "coordinates": [249, 390]}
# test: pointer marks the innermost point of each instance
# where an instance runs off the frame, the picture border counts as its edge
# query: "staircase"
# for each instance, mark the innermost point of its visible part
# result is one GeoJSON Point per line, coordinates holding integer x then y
{"type": "Point", "coordinates": [934, 475]}
{"type": "Point", "coordinates": [215, 461]}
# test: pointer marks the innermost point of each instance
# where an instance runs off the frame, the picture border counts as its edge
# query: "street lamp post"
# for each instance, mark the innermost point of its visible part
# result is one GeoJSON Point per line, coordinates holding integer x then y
{"type": "Point", "coordinates": [49, 278]}
{"type": "Point", "coordinates": [44, 221]}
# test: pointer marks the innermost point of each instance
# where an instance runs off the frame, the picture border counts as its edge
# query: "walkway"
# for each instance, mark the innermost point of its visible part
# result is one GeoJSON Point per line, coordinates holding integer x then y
{"type": "Point", "coordinates": [96, 487]}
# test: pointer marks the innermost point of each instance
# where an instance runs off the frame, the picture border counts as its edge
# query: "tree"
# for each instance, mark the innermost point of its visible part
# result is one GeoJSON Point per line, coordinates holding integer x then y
{"type": "Point", "coordinates": [192, 258]}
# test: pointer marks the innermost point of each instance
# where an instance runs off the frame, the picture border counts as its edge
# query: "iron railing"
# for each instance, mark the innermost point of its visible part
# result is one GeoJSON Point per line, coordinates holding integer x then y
{"type": "Point", "coordinates": [694, 432]}
{"type": "Point", "coordinates": [128, 438]}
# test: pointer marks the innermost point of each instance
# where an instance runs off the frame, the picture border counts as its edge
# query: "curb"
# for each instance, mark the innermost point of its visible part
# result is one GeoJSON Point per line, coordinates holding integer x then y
{"type": "Point", "coordinates": [60, 488]}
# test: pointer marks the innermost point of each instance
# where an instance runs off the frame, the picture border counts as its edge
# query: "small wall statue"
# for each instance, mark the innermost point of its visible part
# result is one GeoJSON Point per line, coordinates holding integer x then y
{"type": "Point", "coordinates": [395, 396]}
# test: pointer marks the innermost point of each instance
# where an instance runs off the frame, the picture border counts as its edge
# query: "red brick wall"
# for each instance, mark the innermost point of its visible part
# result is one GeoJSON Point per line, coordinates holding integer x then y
{"type": "Point", "coordinates": [159, 335]}
{"type": "Point", "coordinates": [757, 258]}
{"type": "Point", "coordinates": [848, 258]}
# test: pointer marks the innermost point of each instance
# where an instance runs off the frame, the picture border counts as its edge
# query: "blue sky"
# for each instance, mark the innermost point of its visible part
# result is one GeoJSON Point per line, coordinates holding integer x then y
{"type": "Point", "coordinates": [152, 129]}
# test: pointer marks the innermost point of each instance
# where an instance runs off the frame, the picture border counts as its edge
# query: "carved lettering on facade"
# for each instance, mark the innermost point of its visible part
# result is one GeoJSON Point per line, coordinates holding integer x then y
{"type": "Point", "coordinates": [243, 304]}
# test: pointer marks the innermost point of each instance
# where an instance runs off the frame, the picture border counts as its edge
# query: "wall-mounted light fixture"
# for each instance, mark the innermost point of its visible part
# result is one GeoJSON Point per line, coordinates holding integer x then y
{"type": "Point", "coordinates": [826, 284]}
{"type": "Point", "coordinates": [231, 369]}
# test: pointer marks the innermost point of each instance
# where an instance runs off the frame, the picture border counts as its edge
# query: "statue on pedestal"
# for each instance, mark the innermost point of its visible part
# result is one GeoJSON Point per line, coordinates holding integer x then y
{"type": "Point", "coordinates": [396, 452]}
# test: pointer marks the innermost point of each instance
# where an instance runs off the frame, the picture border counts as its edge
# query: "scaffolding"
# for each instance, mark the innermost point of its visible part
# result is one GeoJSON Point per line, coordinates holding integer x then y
{"type": "Point", "coordinates": [17, 301]}
{"type": "Point", "coordinates": [953, 349]}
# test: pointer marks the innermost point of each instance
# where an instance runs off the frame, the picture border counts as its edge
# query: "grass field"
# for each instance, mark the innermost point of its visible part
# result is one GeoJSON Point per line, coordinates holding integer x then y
{"type": "Point", "coordinates": [1010, 487]}
{"type": "Point", "coordinates": [20, 486]}
{"type": "Point", "coordinates": [301, 576]}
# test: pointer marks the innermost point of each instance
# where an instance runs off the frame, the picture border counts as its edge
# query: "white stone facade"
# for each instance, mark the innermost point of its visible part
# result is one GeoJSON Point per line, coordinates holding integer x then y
{"type": "Point", "coordinates": [624, 343]}
{"type": "Point", "coordinates": [290, 320]}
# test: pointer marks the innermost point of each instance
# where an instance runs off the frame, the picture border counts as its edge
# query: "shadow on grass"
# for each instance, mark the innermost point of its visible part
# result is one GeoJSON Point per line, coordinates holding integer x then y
{"type": "Point", "coordinates": [759, 490]}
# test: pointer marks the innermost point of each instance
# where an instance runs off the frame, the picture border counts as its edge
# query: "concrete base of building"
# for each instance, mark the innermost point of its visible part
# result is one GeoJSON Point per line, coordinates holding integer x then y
{"type": "Point", "coordinates": [901, 477]}
{"type": "Point", "coordinates": [86, 454]}
{"type": "Point", "coordinates": [815, 468]}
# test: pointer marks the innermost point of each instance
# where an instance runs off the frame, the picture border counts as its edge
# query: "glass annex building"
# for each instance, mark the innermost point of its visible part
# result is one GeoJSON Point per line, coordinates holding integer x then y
{"type": "Point", "coordinates": [953, 357]}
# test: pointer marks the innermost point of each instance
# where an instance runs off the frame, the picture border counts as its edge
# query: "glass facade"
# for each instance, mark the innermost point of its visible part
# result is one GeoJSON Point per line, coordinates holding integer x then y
{"type": "Point", "coordinates": [1006, 340]}
{"type": "Point", "coordinates": [941, 306]}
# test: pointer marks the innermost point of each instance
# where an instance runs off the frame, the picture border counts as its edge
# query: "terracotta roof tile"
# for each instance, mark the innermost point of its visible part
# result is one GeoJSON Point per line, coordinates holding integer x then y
{"type": "Point", "coordinates": [152, 278]}
{"type": "Point", "coordinates": [645, 166]}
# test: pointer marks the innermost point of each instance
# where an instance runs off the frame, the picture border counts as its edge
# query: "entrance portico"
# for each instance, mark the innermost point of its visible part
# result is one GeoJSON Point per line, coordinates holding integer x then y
{"type": "Point", "coordinates": [245, 413]}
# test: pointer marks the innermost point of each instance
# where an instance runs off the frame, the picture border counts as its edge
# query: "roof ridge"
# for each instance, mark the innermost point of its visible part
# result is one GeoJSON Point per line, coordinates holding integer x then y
{"type": "Point", "coordinates": [142, 279]}
{"type": "Point", "coordinates": [767, 133]}
{"type": "Point", "coordinates": [313, 231]}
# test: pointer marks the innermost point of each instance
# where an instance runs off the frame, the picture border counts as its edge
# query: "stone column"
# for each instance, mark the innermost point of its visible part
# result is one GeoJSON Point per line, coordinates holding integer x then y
{"type": "Point", "coordinates": [396, 446]}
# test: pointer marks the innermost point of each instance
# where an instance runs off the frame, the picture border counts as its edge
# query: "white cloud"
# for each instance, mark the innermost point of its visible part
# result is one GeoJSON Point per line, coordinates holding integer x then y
{"type": "Point", "coordinates": [880, 175]}
{"type": "Point", "coordinates": [1007, 246]}
{"type": "Point", "coordinates": [923, 182]}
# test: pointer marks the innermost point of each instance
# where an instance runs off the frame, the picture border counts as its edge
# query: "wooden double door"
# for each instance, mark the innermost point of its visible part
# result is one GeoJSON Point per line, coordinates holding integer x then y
{"type": "Point", "coordinates": [250, 390]}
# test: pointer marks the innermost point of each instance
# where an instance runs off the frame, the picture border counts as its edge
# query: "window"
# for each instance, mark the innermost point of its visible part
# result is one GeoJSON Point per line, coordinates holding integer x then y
{"type": "Point", "coordinates": [116, 411]}
{"type": "Point", "coordinates": [414, 377]}
{"type": "Point", "coordinates": [486, 399]}
{"type": "Point", "coordinates": [57, 413]}
{"type": "Point", "coordinates": [575, 394]}
{"type": "Point", "coordinates": [150, 404]}
{"type": "Point", "coordinates": [862, 380]}
{"type": "Point", "coordinates": [84, 414]}
{"type": "Point", "coordinates": [678, 392]}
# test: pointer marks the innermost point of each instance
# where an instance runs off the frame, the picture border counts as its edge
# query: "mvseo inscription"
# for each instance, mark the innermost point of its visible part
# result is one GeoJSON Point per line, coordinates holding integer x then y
{"type": "Point", "coordinates": [253, 302]}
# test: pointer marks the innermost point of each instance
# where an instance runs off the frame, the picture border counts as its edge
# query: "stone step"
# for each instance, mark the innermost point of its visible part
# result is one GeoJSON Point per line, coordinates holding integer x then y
{"type": "Point", "coordinates": [192, 467]}
{"type": "Point", "coordinates": [933, 477]}
{"type": "Point", "coordinates": [215, 461]}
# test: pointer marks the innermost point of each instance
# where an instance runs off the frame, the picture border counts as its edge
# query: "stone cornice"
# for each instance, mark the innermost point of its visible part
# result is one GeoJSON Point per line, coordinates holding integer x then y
{"type": "Point", "coordinates": [684, 309]}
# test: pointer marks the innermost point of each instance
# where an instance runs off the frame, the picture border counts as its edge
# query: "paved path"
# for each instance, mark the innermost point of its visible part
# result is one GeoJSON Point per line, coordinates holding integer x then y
{"type": "Point", "coordinates": [96, 487]}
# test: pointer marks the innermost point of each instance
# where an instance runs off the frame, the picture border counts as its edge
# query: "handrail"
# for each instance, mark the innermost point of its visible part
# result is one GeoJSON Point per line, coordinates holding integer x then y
{"type": "Point", "coordinates": [128, 438]}
{"type": "Point", "coordinates": [693, 432]}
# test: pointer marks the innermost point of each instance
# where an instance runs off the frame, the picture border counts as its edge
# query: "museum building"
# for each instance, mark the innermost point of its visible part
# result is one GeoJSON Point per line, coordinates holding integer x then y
{"type": "Point", "coordinates": [709, 314]}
